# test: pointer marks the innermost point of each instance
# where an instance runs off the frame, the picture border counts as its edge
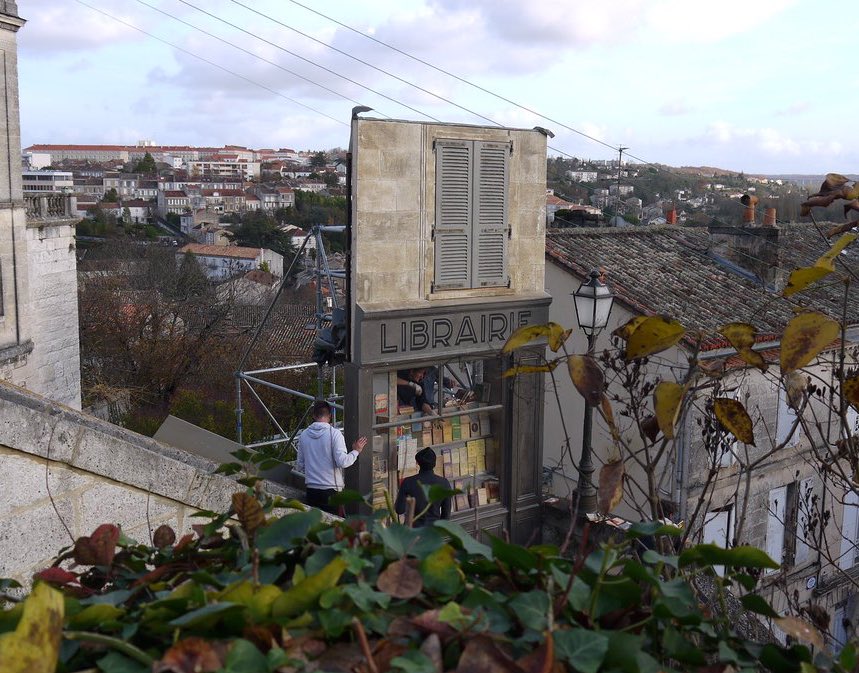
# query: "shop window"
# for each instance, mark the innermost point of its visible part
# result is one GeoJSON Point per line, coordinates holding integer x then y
{"type": "Point", "coordinates": [471, 214]}
{"type": "Point", "coordinates": [462, 423]}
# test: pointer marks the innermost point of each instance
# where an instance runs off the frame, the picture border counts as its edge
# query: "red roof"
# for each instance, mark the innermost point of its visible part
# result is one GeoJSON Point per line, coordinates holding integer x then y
{"type": "Point", "coordinates": [176, 194]}
{"type": "Point", "coordinates": [220, 251]}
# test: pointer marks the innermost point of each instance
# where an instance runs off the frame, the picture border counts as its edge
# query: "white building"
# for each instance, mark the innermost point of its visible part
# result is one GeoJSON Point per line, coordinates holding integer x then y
{"type": "Point", "coordinates": [48, 181]}
{"type": "Point", "coordinates": [222, 262]}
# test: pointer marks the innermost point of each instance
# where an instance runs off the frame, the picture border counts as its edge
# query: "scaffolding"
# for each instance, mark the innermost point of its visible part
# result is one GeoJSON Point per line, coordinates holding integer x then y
{"type": "Point", "coordinates": [326, 315]}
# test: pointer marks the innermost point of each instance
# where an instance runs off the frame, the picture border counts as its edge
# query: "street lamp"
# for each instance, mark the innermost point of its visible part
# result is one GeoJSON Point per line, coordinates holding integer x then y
{"type": "Point", "coordinates": [593, 302]}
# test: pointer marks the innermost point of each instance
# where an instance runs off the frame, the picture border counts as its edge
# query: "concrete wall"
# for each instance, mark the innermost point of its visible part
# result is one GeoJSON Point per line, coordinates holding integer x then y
{"type": "Point", "coordinates": [96, 473]}
{"type": "Point", "coordinates": [394, 199]}
{"type": "Point", "coordinates": [52, 268]}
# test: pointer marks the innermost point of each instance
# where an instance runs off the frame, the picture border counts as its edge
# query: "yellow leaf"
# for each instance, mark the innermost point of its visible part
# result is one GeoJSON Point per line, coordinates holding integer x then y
{"type": "Point", "coordinates": [827, 260]}
{"type": "Point", "coordinates": [801, 278]}
{"type": "Point", "coordinates": [742, 337]}
{"type": "Point", "coordinates": [652, 335]}
{"type": "Point", "coordinates": [608, 416]}
{"type": "Point", "coordinates": [801, 630]}
{"type": "Point", "coordinates": [587, 378]}
{"type": "Point", "coordinates": [249, 512]}
{"type": "Point", "coordinates": [735, 419]}
{"type": "Point", "coordinates": [34, 646]}
{"type": "Point", "coordinates": [667, 397]}
{"type": "Point", "coordinates": [794, 385]}
{"type": "Point", "coordinates": [555, 333]}
{"type": "Point", "coordinates": [626, 330]}
{"type": "Point", "coordinates": [804, 337]}
{"type": "Point", "coordinates": [530, 369]}
{"type": "Point", "coordinates": [303, 595]}
{"type": "Point", "coordinates": [611, 486]}
{"type": "Point", "coordinates": [850, 390]}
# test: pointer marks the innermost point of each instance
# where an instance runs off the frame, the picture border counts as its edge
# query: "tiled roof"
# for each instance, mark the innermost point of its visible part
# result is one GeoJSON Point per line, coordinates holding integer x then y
{"type": "Point", "coordinates": [668, 270]}
{"type": "Point", "coordinates": [285, 337]}
{"type": "Point", "coordinates": [175, 194]}
{"type": "Point", "coordinates": [220, 251]}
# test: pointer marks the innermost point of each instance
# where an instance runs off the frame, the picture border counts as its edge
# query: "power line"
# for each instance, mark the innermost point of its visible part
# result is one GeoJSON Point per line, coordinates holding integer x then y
{"type": "Point", "coordinates": [212, 63]}
{"type": "Point", "coordinates": [449, 74]}
{"type": "Point", "coordinates": [307, 60]}
{"type": "Point", "coordinates": [247, 51]}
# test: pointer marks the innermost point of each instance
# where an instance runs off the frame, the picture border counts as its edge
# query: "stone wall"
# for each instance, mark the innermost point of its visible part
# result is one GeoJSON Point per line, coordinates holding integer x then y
{"type": "Point", "coordinates": [394, 199]}
{"type": "Point", "coordinates": [95, 473]}
{"type": "Point", "coordinates": [52, 269]}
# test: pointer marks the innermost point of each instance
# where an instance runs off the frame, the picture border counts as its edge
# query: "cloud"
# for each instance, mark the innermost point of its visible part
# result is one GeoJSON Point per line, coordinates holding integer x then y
{"type": "Point", "coordinates": [675, 108]}
{"type": "Point", "coordinates": [54, 27]}
{"type": "Point", "coordinates": [795, 109]}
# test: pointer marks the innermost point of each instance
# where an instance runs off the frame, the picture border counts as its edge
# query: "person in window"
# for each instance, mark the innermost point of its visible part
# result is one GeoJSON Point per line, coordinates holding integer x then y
{"type": "Point", "coordinates": [410, 391]}
{"type": "Point", "coordinates": [322, 457]}
{"type": "Point", "coordinates": [411, 486]}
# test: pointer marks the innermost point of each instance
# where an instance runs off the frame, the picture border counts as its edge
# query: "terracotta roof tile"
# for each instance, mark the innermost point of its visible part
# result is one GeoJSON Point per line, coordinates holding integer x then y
{"type": "Point", "coordinates": [220, 250]}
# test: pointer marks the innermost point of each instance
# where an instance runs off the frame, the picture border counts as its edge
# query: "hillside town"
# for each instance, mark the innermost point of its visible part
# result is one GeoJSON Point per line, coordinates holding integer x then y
{"type": "Point", "coordinates": [443, 398]}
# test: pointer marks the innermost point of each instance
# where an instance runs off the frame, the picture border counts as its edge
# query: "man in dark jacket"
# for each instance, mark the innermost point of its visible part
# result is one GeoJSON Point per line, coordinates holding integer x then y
{"type": "Point", "coordinates": [411, 486]}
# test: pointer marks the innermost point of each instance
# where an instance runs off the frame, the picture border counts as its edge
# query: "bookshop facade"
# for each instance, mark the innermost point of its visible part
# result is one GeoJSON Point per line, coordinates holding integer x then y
{"type": "Point", "coordinates": [447, 243]}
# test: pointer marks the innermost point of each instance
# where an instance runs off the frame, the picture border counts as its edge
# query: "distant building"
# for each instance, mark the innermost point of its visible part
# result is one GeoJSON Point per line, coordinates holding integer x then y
{"type": "Point", "coordinates": [48, 181]}
{"type": "Point", "coordinates": [222, 262]}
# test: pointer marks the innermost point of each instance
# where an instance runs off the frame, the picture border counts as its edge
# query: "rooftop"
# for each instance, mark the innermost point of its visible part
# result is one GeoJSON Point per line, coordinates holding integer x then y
{"type": "Point", "coordinates": [220, 251]}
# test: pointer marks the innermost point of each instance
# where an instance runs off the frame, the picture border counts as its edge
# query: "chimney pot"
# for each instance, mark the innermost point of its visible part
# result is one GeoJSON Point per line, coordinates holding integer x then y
{"type": "Point", "coordinates": [769, 217]}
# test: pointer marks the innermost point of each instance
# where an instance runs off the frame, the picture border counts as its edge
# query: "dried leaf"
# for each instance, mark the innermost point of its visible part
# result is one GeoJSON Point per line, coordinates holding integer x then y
{"type": "Point", "coordinates": [713, 368]}
{"type": "Point", "coordinates": [735, 419]}
{"type": "Point", "coordinates": [818, 201]}
{"type": "Point", "coordinates": [850, 390]}
{"type": "Point", "coordinates": [827, 260]}
{"type": "Point", "coordinates": [610, 485]}
{"type": "Point", "coordinates": [804, 337]}
{"type": "Point", "coordinates": [625, 331]}
{"type": "Point", "coordinates": [794, 385]}
{"type": "Point", "coordinates": [56, 576]}
{"type": "Point", "coordinates": [847, 226]}
{"type": "Point", "coordinates": [853, 205]}
{"type": "Point", "coordinates": [650, 428]}
{"type": "Point", "coordinates": [530, 369]}
{"type": "Point", "coordinates": [249, 512]}
{"type": "Point", "coordinates": [667, 397]}
{"type": "Point", "coordinates": [742, 337]}
{"type": "Point", "coordinates": [400, 580]}
{"type": "Point", "coordinates": [833, 182]}
{"type": "Point", "coordinates": [430, 620]}
{"type": "Point", "coordinates": [34, 645]}
{"type": "Point", "coordinates": [542, 659]}
{"type": "Point", "coordinates": [654, 334]}
{"type": "Point", "coordinates": [482, 655]}
{"type": "Point", "coordinates": [587, 378]}
{"type": "Point", "coordinates": [801, 630]}
{"type": "Point", "coordinates": [192, 655]}
{"type": "Point", "coordinates": [431, 647]}
{"type": "Point", "coordinates": [163, 536]}
{"type": "Point", "coordinates": [99, 548]}
{"type": "Point", "coordinates": [801, 278]}
{"type": "Point", "coordinates": [608, 417]}
{"type": "Point", "coordinates": [555, 333]}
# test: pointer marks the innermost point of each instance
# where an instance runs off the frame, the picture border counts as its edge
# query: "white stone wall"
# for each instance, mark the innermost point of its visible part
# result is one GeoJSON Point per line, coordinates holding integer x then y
{"type": "Point", "coordinates": [96, 473]}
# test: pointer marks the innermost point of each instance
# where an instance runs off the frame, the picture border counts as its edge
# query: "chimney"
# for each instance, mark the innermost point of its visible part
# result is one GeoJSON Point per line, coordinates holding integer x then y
{"type": "Point", "coordinates": [769, 217]}
{"type": "Point", "coordinates": [750, 203]}
{"type": "Point", "coordinates": [751, 252]}
{"type": "Point", "coordinates": [671, 216]}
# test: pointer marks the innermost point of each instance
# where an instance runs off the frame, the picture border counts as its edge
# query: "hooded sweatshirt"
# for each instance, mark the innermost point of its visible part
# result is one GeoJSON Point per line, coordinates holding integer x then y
{"type": "Point", "coordinates": [322, 456]}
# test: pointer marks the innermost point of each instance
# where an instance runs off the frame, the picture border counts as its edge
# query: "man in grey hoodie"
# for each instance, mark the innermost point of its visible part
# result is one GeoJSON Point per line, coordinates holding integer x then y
{"type": "Point", "coordinates": [322, 456]}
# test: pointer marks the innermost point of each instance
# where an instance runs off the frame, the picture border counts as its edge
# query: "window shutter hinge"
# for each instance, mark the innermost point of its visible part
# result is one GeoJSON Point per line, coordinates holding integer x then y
{"type": "Point", "coordinates": [432, 235]}
{"type": "Point", "coordinates": [433, 145]}
{"type": "Point", "coordinates": [432, 287]}
{"type": "Point", "coordinates": [508, 282]}
{"type": "Point", "coordinates": [511, 148]}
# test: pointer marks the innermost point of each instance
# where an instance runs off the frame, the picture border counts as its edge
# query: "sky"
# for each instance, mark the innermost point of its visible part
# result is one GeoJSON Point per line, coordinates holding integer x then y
{"type": "Point", "coordinates": [761, 86]}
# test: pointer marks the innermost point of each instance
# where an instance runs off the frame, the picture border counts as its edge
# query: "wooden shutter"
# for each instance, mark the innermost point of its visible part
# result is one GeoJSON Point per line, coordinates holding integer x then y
{"type": "Point", "coordinates": [453, 196]}
{"type": "Point", "coordinates": [489, 246]}
{"type": "Point", "coordinates": [777, 507]}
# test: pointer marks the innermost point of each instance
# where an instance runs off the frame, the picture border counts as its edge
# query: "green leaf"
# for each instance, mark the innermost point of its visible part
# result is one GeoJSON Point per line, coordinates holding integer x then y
{"type": "Point", "coordinates": [583, 649]}
{"type": "Point", "coordinates": [677, 597]}
{"type": "Point", "coordinates": [241, 454]}
{"type": "Point", "coordinates": [743, 557]}
{"type": "Point", "coordinates": [114, 662]}
{"type": "Point", "coordinates": [396, 538]}
{"type": "Point", "coordinates": [208, 615]}
{"type": "Point", "coordinates": [345, 497]}
{"type": "Point", "coordinates": [441, 573]}
{"type": "Point", "coordinates": [759, 605]}
{"type": "Point", "coordinates": [93, 616]}
{"type": "Point", "coordinates": [365, 598]}
{"type": "Point", "coordinates": [580, 591]}
{"type": "Point", "coordinates": [334, 622]}
{"type": "Point", "coordinates": [453, 615]}
{"type": "Point", "coordinates": [513, 555]}
{"type": "Point", "coordinates": [228, 468]}
{"type": "Point", "coordinates": [653, 558]}
{"type": "Point", "coordinates": [650, 528]}
{"type": "Point", "coordinates": [413, 661]}
{"type": "Point", "coordinates": [244, 657]}
{"type": "Point", "coordinates": [531, 608]}
{"type": "Point", "coordinates": [486, 606]}
{"type": "Point", "coordinates": [623, 649]}
{"type": "Point", "coordinates": [848, 658]}
{"type": "Point", "coordinates": [677, 647]}
{"type": "Point", "coordinates": [283, 532]}
{"type": "Point", "coordinates": [748, 582]}
{"type": "Point", "coordinates": [465, 539]}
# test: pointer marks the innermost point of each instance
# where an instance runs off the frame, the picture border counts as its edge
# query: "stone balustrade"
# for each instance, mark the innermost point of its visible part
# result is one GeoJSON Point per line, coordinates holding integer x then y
{"type": "Point", "coordinates": [50, 206]}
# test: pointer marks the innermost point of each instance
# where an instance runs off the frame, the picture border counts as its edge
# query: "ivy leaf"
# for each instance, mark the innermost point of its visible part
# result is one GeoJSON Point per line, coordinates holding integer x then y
{"type": "Point", "coordinates": [441, 573]}
{"type": "Point", "coordinates": [282, 533]}
{"type": "Point", "coordinates": [400, 580]}
{"type": "Point", "coordinates": [531, 609]}
{"type": "Point", "coordinates": [244, 657]}
{"type": "Point", "coordinates": [587, 377]}
{"type": "Point", "coordinates": [468, 542]}
{"type": "Point", "coordinates": [667, 397]}
{"type": "Point", "coordinates": [304, 595]}
{"type": "Point", "coordinates": [249, 512]}
{"type": "Point", "coordinates": [610, 485]}
{"type": "Point", "coordinates": [804, 337]}
{"type": "Point", "coordinates": [734, 418]}
{"type": "Point", "coordinates": [742, 557]}
{"type": "Point", "coordinates": [647, 528]}
{"type": "Point", "coordinates": [513, 555]}
{"type": "Point", "coordinates": [653, 335]}
{"type": "Point", "coordinates": [482, 655]}
{"type": "Point", "coordinates": [757, 604]}
{"type": "Point", "coordinates": [114, 662]}
{"type": "Point", "coordinates": [583, 649]}
{"type": "Point", "coordinates": [208, 615]}
{"type": "Point", "coordinates": [34, 645]}
{"type": "Point", "coordinates": [99, 548]}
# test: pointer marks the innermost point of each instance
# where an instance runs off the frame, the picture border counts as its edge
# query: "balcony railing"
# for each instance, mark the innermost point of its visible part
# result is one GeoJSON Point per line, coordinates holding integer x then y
{"type": "Point", "coordinates": [50, 206]}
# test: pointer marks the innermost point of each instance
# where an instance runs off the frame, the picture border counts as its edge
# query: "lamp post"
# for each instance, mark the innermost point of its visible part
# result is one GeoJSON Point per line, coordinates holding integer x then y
{"type": "Point", "coordinates": [593, 302]}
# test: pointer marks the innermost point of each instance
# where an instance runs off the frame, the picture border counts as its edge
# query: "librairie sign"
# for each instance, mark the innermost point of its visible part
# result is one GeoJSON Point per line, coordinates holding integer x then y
{"type": "Point", "coordinates": [403, 335]}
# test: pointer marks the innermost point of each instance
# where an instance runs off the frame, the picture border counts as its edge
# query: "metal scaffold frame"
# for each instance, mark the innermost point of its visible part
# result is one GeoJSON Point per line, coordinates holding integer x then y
{"type": "Point", "coordinates": [325, 374]}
